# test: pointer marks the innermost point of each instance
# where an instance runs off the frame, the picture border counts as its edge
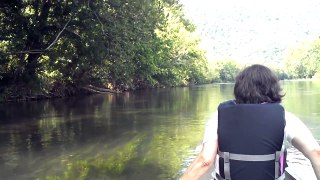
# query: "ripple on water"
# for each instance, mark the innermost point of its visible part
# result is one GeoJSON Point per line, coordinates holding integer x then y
{"type": "Point", "coordinates": [299, 166]}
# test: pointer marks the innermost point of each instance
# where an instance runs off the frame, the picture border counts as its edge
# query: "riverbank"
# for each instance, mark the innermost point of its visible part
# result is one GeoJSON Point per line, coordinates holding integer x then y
{"type": "Point", "coordinates": [58, 93]}
{"type": "Point", "coordinates": [70, 91]}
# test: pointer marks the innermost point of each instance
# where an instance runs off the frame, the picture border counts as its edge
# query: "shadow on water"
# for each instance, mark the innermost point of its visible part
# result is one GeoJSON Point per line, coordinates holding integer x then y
{"type": "Point", "coordinates": [65, 134]}
{"type": "Point", "coordinates": [131, 136]}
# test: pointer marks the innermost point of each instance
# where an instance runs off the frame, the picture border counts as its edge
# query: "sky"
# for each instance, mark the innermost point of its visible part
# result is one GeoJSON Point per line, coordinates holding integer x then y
{"type": "Point", "coordinates": [248, 30]}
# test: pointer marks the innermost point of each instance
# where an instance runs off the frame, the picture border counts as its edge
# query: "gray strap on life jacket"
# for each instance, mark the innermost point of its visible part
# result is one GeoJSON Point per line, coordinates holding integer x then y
{"type": "Point", "coordinates": [226, 165]}
{"type": "Point", "coordinates": [243, 157]}
{"type": "Point", "coordinates": [276, 165]}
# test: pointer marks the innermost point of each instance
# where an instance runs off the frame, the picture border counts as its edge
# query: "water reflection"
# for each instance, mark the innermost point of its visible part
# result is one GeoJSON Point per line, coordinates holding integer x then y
{"type": "Point", "coordinates": [142, 135]}
{"type": "Point", "coordinates": [302, 98]}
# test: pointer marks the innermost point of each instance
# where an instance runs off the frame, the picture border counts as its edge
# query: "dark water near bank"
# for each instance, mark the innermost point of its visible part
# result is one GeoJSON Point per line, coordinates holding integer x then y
{"type": "Point", "coordinates": [138, 135]}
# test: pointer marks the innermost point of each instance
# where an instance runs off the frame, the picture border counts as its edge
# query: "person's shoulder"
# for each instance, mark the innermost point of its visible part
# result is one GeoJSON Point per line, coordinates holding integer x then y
{"type": "Point", "coordinates": [292, 119]}
{"type": "Point", "coordinates": [226, 103]}
{"type": "Point", "coordinates": [293, 123]}
{"type": "Point", "coordinates": [290, 115]}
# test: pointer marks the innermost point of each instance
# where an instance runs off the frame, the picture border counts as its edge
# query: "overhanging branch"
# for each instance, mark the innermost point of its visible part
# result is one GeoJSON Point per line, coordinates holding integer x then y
{"type": "Point", "coordinates": [59, 34]}
{"type": "Point", "coordinates": [40, 51]}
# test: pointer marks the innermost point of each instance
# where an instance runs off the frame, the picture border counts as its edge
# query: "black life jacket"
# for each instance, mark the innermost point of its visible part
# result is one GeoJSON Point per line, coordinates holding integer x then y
{"type": "Point", "coordinates": [250, 140]}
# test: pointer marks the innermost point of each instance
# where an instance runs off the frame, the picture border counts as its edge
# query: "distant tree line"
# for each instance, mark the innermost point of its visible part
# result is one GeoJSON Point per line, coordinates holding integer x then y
{"type": "Point", "coordinates": [301, 62]}
{"type": "Point", "coordinates": [223, 71]}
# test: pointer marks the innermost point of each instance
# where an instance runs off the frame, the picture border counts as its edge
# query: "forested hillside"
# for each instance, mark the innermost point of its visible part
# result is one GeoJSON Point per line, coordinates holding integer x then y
{"type": "Point", "coordinates": [281, 34]}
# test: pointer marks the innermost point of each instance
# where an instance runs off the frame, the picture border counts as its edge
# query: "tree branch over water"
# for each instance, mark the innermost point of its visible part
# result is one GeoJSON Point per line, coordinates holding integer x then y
{"type": "Point", "coordinates": [40, 51]}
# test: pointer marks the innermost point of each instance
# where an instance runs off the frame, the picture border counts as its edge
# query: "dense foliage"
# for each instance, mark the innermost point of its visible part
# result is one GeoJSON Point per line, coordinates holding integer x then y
{"type": "Point", "coordinates": [59, 46]}
{"type": "Point", "coordinates": [304, 60]}
{"type": "Point", "coordinates": [224, 70]}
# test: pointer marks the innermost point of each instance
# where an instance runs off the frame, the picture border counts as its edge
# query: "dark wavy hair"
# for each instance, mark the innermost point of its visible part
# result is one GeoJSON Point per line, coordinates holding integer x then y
{"type": "Point", "coordinates": [257, 84]}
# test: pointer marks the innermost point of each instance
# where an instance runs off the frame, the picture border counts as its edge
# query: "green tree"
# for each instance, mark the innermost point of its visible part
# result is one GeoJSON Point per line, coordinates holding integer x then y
{"type": "Point", "coordinates": [60, 46]}
{"type": "Point", "coordinates": [224, 70]}
{"type": "Point", "coordinates": [181, 61]}
{"type": "Point", "coordinates": [304, 61]}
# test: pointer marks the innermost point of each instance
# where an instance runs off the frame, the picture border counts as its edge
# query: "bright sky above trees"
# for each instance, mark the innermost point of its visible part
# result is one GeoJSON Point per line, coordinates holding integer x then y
{"type": "Point", "coordinates": [249, 30]}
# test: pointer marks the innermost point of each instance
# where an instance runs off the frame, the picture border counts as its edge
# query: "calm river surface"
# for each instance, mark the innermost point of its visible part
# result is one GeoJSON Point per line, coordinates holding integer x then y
{"type": "Point", "coordinates": [138, 135]}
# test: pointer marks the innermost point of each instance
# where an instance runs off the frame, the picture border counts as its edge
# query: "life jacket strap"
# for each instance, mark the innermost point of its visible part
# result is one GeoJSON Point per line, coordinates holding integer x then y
{"type": "Point", "coordinates": [218, 177]}
{"type": "Point", "coordinates": [276, 165]}
{"type": "Point", "coordinates": [226, 165]}
{"type": "Point", "coordinates": [244, 157]}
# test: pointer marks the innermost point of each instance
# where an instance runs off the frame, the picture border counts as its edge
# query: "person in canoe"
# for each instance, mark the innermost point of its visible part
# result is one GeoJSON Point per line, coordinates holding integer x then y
{"type": "Point", "coordinates": [244, 139]}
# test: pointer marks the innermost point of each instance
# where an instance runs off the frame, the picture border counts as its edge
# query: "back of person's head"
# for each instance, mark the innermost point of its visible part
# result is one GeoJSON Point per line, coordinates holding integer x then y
{"type": "Point", "coordinates": [257, 84]}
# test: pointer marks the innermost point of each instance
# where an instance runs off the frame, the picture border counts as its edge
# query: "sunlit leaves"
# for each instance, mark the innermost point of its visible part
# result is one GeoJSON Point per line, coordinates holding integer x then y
{"type": "Point", "coordinates": [304, 61]}
{"type": "Point", "coordinates": [183, 61]}
{"type": "Point", "coordinates": [129, 44]}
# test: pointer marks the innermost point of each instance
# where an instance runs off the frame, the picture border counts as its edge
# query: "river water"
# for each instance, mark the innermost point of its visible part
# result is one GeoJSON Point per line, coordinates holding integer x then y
{"type": "Point", "coordinates": [149, 134]}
